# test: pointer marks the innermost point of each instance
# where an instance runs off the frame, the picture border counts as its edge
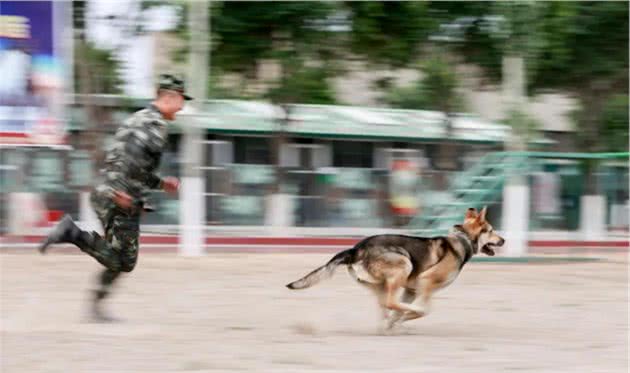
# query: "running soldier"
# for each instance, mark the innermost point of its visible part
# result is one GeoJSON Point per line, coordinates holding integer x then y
{"type": "Point", "coordinates": [129, 173]}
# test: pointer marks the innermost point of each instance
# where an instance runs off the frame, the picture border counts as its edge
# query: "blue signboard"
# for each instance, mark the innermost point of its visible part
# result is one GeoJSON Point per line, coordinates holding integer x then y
{"type": "Point", "coordinates": [31, 63]}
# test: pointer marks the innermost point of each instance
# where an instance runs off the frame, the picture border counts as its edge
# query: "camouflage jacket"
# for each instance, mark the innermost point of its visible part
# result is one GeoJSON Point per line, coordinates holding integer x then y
{"type": "Point", "coordinates": [134, 156]}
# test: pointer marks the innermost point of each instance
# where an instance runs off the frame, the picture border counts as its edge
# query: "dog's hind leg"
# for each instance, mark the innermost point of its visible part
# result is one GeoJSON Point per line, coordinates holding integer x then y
{"type": "Point", "coordinates": [377, 288]}
{"type": "Point", "coordinates": [361, 281]}
{"type": "Point", "coordinates": [379, 291]}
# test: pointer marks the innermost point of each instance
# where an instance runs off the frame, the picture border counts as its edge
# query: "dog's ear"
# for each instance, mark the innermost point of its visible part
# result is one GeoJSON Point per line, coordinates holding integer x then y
{"type": "Point", "coordinates": [482, 214]}
{"type": "Point", "coordinates": [471, 213]}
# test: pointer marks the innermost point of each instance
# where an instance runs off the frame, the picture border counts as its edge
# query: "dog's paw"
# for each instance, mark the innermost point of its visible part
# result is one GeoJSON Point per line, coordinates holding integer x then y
{"type": "Point", "coordinates": [388, 325]}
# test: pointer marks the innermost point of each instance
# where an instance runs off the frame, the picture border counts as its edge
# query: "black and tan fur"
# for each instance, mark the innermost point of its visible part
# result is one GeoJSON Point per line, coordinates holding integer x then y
{"type": "Point", "coordinates": [405, 271]}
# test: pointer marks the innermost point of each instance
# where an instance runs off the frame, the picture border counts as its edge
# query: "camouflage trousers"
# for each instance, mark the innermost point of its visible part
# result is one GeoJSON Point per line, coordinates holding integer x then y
{"type": "Point", "coordinates": [118, 250]}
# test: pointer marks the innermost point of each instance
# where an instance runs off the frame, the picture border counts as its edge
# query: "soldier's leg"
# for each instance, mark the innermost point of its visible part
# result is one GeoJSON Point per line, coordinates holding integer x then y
{"type": "Point", "coordinates": [104, 210]}
{"type": "Point", "coordinates": [103, 249]}
{"type": "Point", "coordinates": [123, 235]}
{"type": "Point", "coordinates": [89, 242]}
{"type": "Point", "coordinates": [105, 281]}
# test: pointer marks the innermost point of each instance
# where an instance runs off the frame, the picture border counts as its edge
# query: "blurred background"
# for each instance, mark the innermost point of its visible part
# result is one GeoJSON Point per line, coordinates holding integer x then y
{"type": "Point", "coordinates": [316, 124]}
{"type": "Point", "coordinates": [326, 118]}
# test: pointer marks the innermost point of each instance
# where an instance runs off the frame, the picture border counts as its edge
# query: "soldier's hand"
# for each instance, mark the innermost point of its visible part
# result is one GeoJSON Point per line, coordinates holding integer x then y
{"type": "Point", "coordinates": [122, 199]}
{"type": "Point", "coordinates": [170, 185]}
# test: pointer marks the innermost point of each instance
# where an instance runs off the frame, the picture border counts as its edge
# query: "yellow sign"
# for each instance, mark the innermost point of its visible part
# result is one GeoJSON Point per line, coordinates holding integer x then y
{"type": "Point", "coordinates": [14, 27]}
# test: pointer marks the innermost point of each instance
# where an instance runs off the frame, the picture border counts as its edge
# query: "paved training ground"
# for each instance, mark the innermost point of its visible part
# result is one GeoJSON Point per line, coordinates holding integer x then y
{"type": "Point", "coordinates": [231, 312]}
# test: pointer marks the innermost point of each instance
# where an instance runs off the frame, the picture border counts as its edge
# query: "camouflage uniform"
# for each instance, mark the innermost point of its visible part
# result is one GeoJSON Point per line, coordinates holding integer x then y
{"type": "Point", "coordinates": [130, 167]}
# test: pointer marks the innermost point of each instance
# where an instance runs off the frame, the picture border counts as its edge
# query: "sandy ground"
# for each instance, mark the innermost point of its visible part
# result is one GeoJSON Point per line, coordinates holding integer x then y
{"type": "Point", "coordinates": [231, 312]}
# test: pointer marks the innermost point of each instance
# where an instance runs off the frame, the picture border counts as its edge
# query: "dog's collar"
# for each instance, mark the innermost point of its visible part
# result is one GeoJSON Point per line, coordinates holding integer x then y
{"type": "Point", "coordinates": [468, 244]}
{"type": "Point", "coordinates": [459, 231]}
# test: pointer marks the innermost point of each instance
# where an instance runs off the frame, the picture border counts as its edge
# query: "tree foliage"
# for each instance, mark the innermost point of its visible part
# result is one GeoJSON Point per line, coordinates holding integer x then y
{"type": "Point", "coordinates": [389, 33]}
{"type": "Point", "coordinates": [305, 85]}
{"type": "Point", "coordinates": [567, 44]}
{"type": "Point", "coordinates": [614, 122]}
{"type": "Point", "coordinates": [435, 90]}
{"type": "Point", "coordinates": [575, 47]}
{"type": "Point", "coordinates": [245, 34]}
{"type": "Point", "coordinates": [583, 42]}
{"type": "Point", "coordinates": [96, 70]}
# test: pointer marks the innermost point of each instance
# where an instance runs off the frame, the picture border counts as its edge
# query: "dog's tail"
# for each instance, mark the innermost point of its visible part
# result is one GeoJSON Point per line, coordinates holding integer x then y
{"type": "Point", "coordinates": [324, 272]}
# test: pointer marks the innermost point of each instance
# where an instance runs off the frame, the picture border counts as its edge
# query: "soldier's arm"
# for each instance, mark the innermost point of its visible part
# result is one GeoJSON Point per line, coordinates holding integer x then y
{"type": "Point", "coordinates": [156, 134]}
{"type": "Point", "coordinates": [116, 170]}
{"type": "Point", "coordinates": [155, 142]}
{"type": "Point", "coordinates": [154, 181]}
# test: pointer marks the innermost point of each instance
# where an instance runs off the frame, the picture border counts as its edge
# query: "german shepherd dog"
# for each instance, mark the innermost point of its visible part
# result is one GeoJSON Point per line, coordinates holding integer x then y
{"type": "Point", "coordinates": [405, 271]}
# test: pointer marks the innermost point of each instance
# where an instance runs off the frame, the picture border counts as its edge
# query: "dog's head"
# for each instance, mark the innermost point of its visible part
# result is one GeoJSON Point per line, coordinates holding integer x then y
{"type": "Point", "coordinates": [479, 229]}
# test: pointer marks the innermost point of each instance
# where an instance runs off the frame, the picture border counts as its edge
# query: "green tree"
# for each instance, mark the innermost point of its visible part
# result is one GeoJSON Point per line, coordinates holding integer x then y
{"type": "Point", "coordinates": [247, 33]}
{"type": "Point", "coordinates": [305, 85]}
{"type": "Point", "coordinates": [435, 90]}
{"type": "Point", "coordinates": [469, 29]}
{"type": "Point", "coordinates": [522, 124]}
{"type": "Point", "coordinates": [389, 34]}
{"type": "Point", "coordinates": [288, 33]}
{"type": "Point", "coordinates": [96, 70]}
{"type": "Point", "coordinates": [586, 53]}
{"type": "Point", "coordinates": [580, 47]}
{"type": "Point", "coordinates": [577, 47]}
{"type": "Point", "coordinates": [614, 122]}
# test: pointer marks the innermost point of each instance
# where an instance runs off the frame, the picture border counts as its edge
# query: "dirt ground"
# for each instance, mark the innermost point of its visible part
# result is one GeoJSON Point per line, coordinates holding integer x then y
{"type": "Point", "coordinates": [231, 312]}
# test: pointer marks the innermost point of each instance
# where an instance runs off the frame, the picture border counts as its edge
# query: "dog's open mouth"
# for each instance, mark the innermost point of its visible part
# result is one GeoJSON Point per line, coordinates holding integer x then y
{"type": "Point", "coordinates": [488, 249]}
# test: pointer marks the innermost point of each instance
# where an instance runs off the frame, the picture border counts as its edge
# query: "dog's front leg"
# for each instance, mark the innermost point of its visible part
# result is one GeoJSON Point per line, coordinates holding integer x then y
{"type": "Point", "coordinates": [423, 304]}
{"type": "Point", "coordinates": [408, 296]}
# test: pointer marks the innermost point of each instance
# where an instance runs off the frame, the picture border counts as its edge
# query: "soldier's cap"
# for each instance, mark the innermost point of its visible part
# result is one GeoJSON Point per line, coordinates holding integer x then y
{"type": "Point", "coordinates": [173, 83]}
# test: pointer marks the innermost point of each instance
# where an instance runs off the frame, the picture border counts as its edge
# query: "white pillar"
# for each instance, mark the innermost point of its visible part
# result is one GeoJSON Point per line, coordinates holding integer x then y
{"type": "Point", "coordinates": [192, 205]}
{"type": "Point", "coordinates": [592, 217]}
{"type": "Point", "coordinates": [26, 212]}
{"type": "Point", "coordinates": [279, 214]}
{"type": "Point", "coordinates": [192, 216]}
{"type": "Point", "coordinates": [619, 214]}
{"type": "Point", "coordinates": [515, 220]}
{"type": "Point", "coordinates": [87, 217]}
{"type": "Point", "coordinates": [516, 191]}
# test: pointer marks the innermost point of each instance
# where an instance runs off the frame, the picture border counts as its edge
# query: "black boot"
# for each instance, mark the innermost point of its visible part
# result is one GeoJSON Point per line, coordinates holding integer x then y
{"type": "Point", "coordinates": [65, 231]}
{"type": "Point", "coordinates": [97, 312]}
{"type": "Point", "coordinates": [105, 282]}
